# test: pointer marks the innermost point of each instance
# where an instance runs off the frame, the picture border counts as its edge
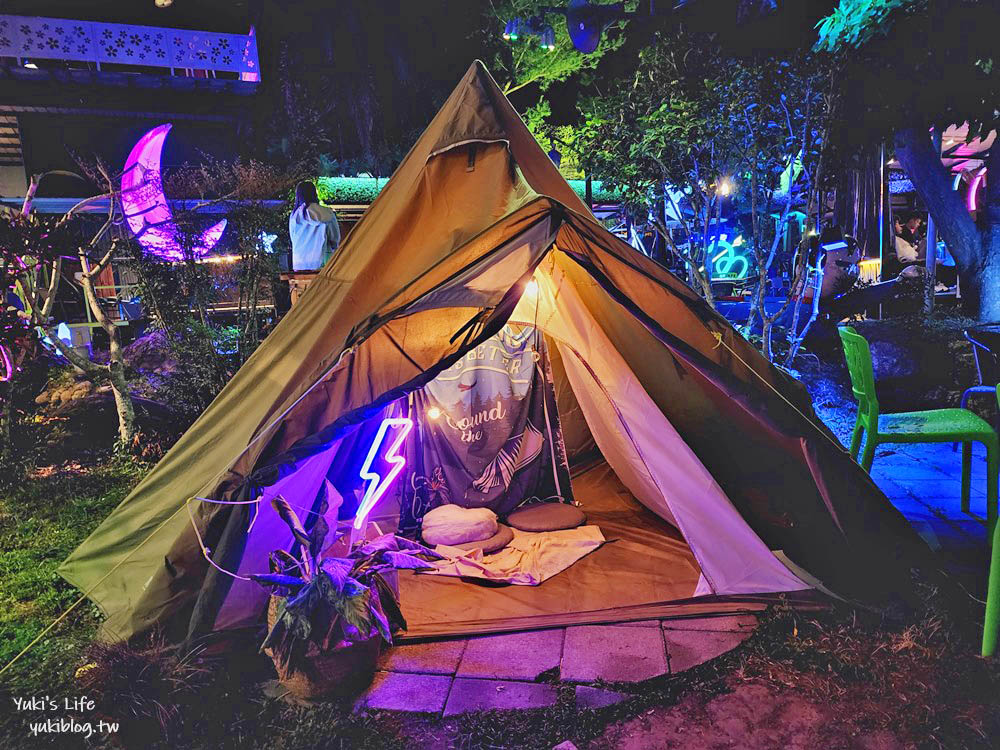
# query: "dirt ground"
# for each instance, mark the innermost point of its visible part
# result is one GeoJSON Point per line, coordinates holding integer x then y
{"type": "Point", "coordinates": [750, 717]}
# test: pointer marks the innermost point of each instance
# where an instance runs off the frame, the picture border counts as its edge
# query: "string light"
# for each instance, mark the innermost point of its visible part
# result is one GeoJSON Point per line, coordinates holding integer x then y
{"type": "Point", "coordinates": [434, 413]}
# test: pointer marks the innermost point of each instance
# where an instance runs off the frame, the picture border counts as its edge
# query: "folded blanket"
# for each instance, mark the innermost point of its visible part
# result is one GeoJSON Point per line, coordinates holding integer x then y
{"type": "Point", "coordinates": [532, 557]}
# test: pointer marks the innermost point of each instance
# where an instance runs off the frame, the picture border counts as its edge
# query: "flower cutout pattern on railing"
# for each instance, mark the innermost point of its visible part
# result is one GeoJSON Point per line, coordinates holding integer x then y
{"type": "Point", "coordinates": [45, 38]}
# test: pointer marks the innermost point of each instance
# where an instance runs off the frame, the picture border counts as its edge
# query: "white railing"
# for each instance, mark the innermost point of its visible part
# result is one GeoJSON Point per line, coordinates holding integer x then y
{"type": "Point", "coordinates": [125, 44]}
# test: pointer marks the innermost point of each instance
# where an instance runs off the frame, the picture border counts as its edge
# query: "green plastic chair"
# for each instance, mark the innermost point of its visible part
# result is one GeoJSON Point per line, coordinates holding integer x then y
{"type": "Point", "coordinates": [932, 426]}
{"type": "Point", "coordinates": [992, 623]}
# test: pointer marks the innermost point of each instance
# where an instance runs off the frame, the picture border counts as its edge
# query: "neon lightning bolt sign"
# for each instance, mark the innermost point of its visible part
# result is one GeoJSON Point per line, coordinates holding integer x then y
{"type": "Point", "coordinates": [377, 484]}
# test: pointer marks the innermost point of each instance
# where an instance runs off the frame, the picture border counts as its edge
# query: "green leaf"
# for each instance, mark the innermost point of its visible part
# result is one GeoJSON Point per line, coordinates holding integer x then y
{"type": "Point", "coordinates": [291, 520]}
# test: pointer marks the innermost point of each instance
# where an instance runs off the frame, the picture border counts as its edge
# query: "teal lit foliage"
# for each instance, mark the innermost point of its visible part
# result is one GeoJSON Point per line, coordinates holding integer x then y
{"type": "Point", "coordinates": [362, 191]}
{"type": "Point", "coordinates": [853, 23]}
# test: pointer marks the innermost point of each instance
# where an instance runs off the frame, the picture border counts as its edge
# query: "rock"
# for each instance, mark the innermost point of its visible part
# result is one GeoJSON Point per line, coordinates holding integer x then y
{"type": "Point", "coordinates": [591, 697]}
{"type": "Point", "coordinates": [453, 524]}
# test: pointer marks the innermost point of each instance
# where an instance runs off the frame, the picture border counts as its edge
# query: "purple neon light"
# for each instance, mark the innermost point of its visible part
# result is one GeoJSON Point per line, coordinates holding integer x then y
{"type": "Point", "coordinates": [6, 365]}
{"type": "Point", "coordinates": [145, 206]}
{"type": "Point", "coordinates": [377, 485]}
{"type": "Point", "coordinates": [974, 188]}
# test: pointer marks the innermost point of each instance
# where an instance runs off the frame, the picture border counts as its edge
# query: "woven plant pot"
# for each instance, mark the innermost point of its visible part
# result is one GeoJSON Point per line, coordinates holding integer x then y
{"type": "Point", "coordinates": [346, 669]}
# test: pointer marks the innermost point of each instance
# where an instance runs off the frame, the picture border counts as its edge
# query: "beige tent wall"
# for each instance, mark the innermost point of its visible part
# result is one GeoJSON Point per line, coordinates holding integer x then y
{"type": "Point", "coordinates": [648, 455]}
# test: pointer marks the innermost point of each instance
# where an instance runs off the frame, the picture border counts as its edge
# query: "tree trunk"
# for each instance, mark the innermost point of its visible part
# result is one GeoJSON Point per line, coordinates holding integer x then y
{"type": "Point", "coordinates": [977, 254]}
{"type": "Point", "coordinates": [989, 210]}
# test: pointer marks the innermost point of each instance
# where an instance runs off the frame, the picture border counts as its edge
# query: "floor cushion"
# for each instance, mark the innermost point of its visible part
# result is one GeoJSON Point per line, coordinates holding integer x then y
{"type": "Point", "coordinates": [498, 541]}
{"type": "Point", "coordinates": [453, 524]}
{"type": "Point", "coordinates": [547, 517]}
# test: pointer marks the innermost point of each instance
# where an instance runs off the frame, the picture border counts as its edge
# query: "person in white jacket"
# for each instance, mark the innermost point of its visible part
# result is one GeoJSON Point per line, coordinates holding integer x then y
{"type": "Point", "coordinates": [313, 228]}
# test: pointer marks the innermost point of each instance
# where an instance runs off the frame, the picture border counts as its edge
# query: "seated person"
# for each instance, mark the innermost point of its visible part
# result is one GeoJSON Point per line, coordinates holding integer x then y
{"type": "Point", "coordinates": [313, 228]}
{"type": "Point", "coordinates": [907, 244]}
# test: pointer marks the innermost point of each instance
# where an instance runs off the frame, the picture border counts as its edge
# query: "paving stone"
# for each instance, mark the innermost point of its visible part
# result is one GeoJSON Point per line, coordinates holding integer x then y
{"type": "Point", "coordinates": [433, 657]}
{"type": "Point", "coordinates": [689, 648]}
{"type": "Point", "coordinates": [722, 624]}
{"type": "Point", "coordinates": [591, 697]}
{"type": "Point", "coordinates": [469, 694]}
{"type": "Point", "coordinates": [512, 656]}
{"type": "Point", "coordinates": [613, 653]}
{"type": "Point", "coordinates": [404, 691]}
{"type": "Point", "coordinates": [939, 488]}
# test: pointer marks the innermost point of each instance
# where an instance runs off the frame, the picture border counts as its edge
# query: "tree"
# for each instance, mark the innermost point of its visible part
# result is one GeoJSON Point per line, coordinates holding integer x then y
{"type": "Point", "coordinates": [787, 105]}
{"type": "Point", "coordinates": [518, 63]}
{"type": "Point", "coordinates": [692, 125]}
{"type": "Point", "coordinates": [662, 138]}
{"type": "Point", "coordinates": [41, 290]}
{"type": "Point", "coordinates": [28, 251]}
{"type": "Point", "coordinates": [914, 64]}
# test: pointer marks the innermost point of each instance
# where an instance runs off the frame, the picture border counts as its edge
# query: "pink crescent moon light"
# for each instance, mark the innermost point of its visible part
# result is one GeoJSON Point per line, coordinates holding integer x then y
{"type": "Point", "coordinates": [145, 206]}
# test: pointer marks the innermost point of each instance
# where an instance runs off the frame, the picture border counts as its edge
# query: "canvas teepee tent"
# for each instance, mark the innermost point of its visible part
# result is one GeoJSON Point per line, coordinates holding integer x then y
{"type": "Point", "coordinates": [716, 481]}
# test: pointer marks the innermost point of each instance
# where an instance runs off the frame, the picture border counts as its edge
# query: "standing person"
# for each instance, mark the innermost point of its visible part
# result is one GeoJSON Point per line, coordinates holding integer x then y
{"type": "Point", "coordinates": [313, 228]}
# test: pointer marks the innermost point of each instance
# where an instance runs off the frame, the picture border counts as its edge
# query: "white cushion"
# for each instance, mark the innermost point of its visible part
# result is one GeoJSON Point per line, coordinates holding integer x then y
{"type": "Point", "coordinates": [453, 524]}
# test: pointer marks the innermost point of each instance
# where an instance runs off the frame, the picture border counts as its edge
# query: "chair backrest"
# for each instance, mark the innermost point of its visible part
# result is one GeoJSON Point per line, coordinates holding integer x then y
{"type": "Point", "coordinates": [859, 366]}
{"type": "Point", "coordinates": [987, 358]}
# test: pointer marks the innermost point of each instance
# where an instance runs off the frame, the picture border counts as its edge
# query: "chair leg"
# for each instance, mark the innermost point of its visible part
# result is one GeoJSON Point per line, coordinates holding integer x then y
{"type": "Point", "coordinates": [992, 622]}
{"type": "Point", "coordinates": [992, 472]}
{"type": "Point", "coordinates": [966, 474]}
{"type": "Point", "coordinates": [859, 431]}
{"type": "Point", "coordinates": [868, 455]}
{"type": "Point", "coordinates": [965, 400]}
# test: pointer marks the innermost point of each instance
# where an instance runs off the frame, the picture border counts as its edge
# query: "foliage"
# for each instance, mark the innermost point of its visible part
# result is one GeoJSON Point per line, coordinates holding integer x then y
{"type": "Point", "coordinates": [142, 687]}
{"type": "Point", "coordinates": [204, 361]}
{"type": "Point", "coordinates": [853, 23]}
{"type": "Point", "coordinates": [364, 190]}
{"type": "Point", "coordinates": [28, 248]}
{"type": "Point", "coordinates": [241, 190]}
{"type": "Point", "coordinates": [334, 599]}
{"type": "Point", "coordinates": [523, 62]}
{"type": "Point", "coordinates": [693, 127]}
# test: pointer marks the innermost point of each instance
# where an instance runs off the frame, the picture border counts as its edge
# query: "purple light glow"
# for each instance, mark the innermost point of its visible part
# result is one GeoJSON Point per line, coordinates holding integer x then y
{"type": "Point", "coordinates": [974, 188]}
{"type": "Point", "coordinates": [6, 365]}
{"type": "Point", "coordinates": [377, 485]}
{"type": "Point", "coordinates": [145, 206]}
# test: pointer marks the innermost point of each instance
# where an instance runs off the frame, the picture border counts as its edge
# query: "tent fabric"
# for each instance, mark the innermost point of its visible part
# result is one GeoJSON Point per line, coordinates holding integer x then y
{"type": "Point", "coordinates": [436, 266]}
{"type": "Point", "coordinates": [652, 460]}
{"type": "Point", "coordinates": [644, 563]}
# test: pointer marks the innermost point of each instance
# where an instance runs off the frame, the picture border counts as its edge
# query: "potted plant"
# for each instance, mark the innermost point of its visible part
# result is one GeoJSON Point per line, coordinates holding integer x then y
{"type": "Point", "coordinates": [330, 616]}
